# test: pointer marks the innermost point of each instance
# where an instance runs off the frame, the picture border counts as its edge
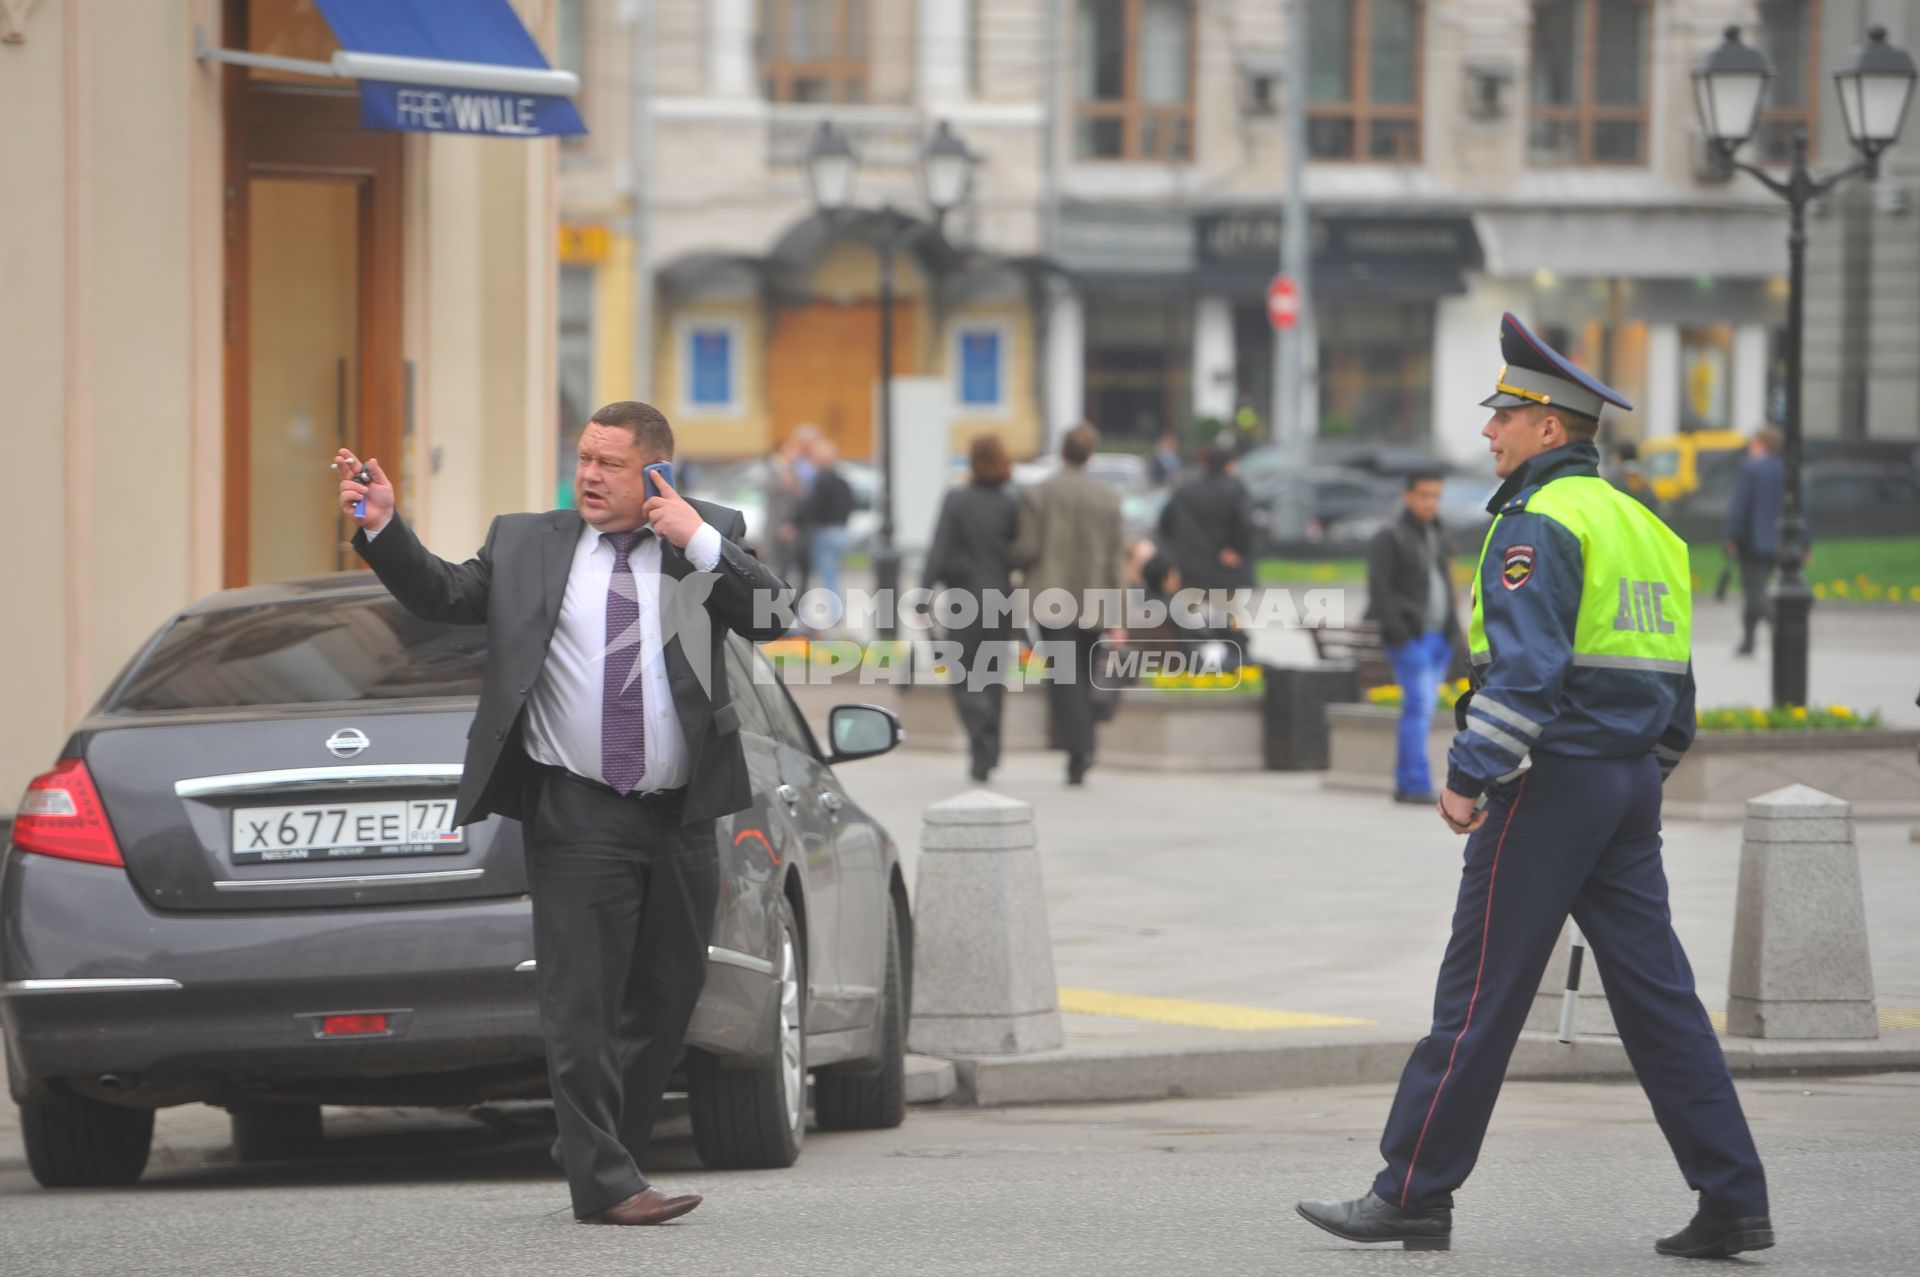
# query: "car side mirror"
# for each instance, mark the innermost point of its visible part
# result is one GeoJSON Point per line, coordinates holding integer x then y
{"type": "Point", "coordinates": [861, 731]}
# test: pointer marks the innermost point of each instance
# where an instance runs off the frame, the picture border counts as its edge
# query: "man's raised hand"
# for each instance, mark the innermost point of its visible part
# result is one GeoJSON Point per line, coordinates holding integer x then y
{"type": "Point", "coordinates": [378, 491]}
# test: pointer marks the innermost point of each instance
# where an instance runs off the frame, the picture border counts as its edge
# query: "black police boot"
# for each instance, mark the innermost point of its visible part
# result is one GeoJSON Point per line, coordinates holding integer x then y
{"type": "Point", "coordinates": [1369, 1219]}
{"type": "Point", "coordinates": [1716, 1237]}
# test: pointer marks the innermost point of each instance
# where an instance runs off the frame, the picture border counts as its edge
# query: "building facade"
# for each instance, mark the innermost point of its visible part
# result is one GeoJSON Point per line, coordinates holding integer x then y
{"type": "Point", "coordinates": [1465, 157]}
{"type": "Point", "coordinates": [212, 277]}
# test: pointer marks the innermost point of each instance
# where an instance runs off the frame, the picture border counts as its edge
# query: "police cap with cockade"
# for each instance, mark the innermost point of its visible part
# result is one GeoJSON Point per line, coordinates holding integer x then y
{"type": "Point", "coordinates": [1536, 373]}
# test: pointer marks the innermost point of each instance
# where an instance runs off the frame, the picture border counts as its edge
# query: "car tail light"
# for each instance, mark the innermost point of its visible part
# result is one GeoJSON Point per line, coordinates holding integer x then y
{"type": "Point", "coordinates": [60, 815]}
{"type": "Point", "coordinates": [350, 1026]}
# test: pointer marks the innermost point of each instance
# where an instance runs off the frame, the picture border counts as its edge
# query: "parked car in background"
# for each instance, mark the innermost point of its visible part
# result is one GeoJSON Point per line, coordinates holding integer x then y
{"type": "Point", "coordinates": [238, 886]}
{"type": "Point", "coordinates": [1463, 516]}
{"type": "Point", "coordinates": [1124, 472]}
{"type": "Point", "coordinates": [1319, 507]}
{"type": "Point", "coordinates": [1673, 464]}
{"type": "Point", "coordinates": [1844, 499]}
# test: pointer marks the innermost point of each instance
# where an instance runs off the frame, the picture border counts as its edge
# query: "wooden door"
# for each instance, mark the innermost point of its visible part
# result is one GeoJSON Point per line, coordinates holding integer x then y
{"type": "Point", "coordinates": [824, 366]}
{"type": "Point", "coordinates": [313, 226]}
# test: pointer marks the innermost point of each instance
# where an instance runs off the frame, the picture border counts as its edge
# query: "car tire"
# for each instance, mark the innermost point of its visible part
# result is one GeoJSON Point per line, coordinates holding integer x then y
{"type": "Point", "coordinates": [276, 1132]}
{"type": "Point", "coordinates": [83, 1143]}
{"type": "Point", "coordinates": [873, 1098]}
{"type": "Point", "coordinates": [756, 1118]}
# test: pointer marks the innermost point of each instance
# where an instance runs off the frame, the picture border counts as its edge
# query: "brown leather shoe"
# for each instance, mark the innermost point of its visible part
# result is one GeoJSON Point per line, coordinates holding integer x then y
{"type": "Point", "coordinates": [649, 1206]}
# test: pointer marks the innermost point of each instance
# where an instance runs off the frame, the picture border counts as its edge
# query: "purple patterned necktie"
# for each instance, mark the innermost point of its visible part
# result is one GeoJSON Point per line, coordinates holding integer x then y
{"type": "Point", "coordinates": [623, 737]}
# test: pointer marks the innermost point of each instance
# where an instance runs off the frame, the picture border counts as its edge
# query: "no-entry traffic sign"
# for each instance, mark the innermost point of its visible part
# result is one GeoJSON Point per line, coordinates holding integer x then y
{"type": "Point", "coordinates": [1283, 302]}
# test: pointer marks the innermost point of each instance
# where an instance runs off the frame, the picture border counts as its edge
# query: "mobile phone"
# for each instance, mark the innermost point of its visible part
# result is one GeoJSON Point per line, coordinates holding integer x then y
{"type": "Point", "coordinates": [664, 469]}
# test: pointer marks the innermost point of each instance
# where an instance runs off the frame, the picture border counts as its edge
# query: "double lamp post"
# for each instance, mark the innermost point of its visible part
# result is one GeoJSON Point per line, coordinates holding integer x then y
{"type": "Point", "coordinates": [946, 173]}
{"type": "Point", "coordinates": [1876, 85]}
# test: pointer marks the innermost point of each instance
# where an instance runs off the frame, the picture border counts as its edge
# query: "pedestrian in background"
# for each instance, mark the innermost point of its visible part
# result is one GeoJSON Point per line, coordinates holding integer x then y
{"type": "Point", "coordinates": [1753, 529]}
{"type": "Point", "coordinates": [823, 515]}
{"type": "Point", "coordinates": [1167, 462]}
{"type": "Point", "coordinates": [786, 489]}
{"type": "Point", "coordinates": [1070, 539]}
{"type": "Point", "coordinates": [1583, 703]}
{"type": "Point", "coordinates": [971, 543]}
{"type": "Point", "coordinates": [1207, 527]}
{"type": "Point", "coordinates": [1410, 596]}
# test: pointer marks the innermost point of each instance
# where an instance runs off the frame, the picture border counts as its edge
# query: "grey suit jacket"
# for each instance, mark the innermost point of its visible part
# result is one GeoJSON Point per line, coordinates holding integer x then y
{"type": "Point", "coordinates": [514, 586]}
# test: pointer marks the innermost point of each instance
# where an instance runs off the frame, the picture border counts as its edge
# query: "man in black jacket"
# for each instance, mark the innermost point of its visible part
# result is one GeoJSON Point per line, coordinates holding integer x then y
{"type": "Point", "coordinates": [823, 515]}
{"type": "Point", "coordinates": [606, 727]}
{"type": "Point", "coordinates": [1410, 594]}
{"type": "Point", "coordinates": [1207, 525]}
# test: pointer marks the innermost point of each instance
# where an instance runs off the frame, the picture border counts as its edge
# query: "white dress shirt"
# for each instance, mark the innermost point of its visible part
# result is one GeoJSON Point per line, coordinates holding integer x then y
{"type": "Point", "coordinates": [563, 709]}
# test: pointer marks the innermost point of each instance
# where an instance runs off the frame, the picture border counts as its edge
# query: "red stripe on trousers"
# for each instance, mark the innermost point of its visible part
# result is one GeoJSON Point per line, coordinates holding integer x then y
{"type": "Point", "coordinates": [1486, 926]}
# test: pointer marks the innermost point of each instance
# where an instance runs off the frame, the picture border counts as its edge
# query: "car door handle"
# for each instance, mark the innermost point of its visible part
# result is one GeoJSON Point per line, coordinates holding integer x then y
{"type": "Point", "coordinates": [831, 801]}
{"type": "Point", "coordinates": [788, 795]}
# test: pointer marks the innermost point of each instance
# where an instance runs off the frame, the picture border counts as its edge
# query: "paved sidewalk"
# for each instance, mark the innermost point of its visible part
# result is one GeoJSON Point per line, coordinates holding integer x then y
{"type": "Point", "coordinates": [1262, 893]}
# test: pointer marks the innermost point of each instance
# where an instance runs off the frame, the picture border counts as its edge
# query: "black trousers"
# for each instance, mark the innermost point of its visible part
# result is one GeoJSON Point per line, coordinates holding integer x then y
{"type": "Point", "coordinates": [1756, 572]}
{"type": "Point", "coordinates": [623, 902]}
{"type": "Point", "coordinates": [1579, 835]}
{"type": "Point", "coordinates": [1069, 650]}
{"type": "Point", "coordinates": [979, 707]}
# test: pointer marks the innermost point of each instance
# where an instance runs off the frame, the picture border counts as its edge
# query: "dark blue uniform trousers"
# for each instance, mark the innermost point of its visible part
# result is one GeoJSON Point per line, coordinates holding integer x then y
{"type": "Point", "coordinates": [1579, 835]}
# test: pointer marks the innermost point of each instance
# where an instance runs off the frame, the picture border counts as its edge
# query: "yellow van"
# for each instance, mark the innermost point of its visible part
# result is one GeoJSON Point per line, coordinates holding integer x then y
{"type": "Point", "coordinates": [1672, 462]}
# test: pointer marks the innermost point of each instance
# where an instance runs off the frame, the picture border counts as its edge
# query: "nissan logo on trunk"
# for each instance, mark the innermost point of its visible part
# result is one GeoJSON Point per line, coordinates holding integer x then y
{"type": "Point", "coordinates": [347, 742]}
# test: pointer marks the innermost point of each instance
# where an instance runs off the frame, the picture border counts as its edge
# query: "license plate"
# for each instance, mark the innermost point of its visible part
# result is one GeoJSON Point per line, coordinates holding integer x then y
{"type": "Point", "coordinates": [346, 831]}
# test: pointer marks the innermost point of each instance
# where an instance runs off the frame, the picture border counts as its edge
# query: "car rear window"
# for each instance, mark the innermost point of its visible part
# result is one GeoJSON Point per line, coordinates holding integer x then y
{"type": "Point", "coordinates": [301, 652]}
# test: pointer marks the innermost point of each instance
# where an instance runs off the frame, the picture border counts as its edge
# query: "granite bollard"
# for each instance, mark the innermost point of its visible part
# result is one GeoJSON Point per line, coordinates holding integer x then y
{"type": "Point", "coordinates": [983, 957]}
{"type": "Point", "coordinates": [1800, 964]}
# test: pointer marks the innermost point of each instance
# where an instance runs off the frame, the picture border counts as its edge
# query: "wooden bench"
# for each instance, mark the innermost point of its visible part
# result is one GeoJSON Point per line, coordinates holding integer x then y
{"type": "Point", "coordinates": [1357, 645]}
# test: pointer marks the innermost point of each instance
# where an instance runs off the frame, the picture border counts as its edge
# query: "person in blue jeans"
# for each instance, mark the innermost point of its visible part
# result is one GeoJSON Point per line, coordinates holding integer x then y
{"type": "Point", "coordinates": [1410, 595]}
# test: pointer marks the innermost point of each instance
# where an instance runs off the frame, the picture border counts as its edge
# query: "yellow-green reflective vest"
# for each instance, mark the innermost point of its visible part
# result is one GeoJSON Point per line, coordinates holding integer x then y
{"type": "Point", "coordinates": [1636, 596]}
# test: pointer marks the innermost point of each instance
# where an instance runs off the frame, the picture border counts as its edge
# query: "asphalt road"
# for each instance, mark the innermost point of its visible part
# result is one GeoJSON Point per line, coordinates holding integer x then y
{"type": "Point", "coordinates": [1574, 1180]}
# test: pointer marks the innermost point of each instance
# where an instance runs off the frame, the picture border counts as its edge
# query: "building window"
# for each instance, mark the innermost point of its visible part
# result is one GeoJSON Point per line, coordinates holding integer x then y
{"type": "Point", "coordinates": [979, 369]}
{"type": "Point", "coordinates": [1789, 34]}
{"type": "Point", "coordinates": [1376, 370]}
{"type": "Point", "coordinates": [1133, 80]}
{"type": "Point", "coordinates": [1590, 62]}
{"type": "Point", "coordinates": [1363, 82]}
{"type": "Point", "coordinates": [710, 369]}
{"type": "Point", "coordinates": [814, 50]}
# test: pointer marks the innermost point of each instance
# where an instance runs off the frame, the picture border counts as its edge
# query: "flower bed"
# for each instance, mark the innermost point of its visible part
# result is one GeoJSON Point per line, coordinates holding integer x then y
{"type": "Point", "coordinates": [1854, 758]}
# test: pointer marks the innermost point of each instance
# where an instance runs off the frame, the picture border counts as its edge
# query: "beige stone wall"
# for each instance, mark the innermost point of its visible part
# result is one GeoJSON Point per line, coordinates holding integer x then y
{"type": "Point", "coordinates": [111, 343]}
{"type": "Point", "coordinates": [110, 281]}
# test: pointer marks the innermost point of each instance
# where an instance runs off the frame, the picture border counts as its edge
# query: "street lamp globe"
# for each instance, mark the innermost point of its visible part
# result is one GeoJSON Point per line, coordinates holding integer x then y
{"type": "Point", "coordinates": [1876, 86]}
{"type": "Point", "coordinates": [1728, 87]}
{"type": "Point", "coordinates": [831, 164]}
{"type": "Point", "coordinates": [946, 169]}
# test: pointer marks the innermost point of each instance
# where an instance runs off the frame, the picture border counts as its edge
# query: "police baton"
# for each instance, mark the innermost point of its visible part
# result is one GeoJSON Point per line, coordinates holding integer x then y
{"type": "Point", "coordinates": [1570, 1000]}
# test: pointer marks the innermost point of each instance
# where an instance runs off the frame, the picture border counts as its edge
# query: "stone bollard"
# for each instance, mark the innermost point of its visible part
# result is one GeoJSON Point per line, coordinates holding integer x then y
{"type": "Point", "coordinates": [1592, 1016]}
{"type": "Point", "coordinates": [983, 958]}
{"type": "Point", "coordinates": [1800, 967]}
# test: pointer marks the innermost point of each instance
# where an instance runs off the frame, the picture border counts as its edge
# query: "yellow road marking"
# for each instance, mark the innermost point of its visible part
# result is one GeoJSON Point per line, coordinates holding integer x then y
{"type": "Point", "coordinates": [1195, 1015]}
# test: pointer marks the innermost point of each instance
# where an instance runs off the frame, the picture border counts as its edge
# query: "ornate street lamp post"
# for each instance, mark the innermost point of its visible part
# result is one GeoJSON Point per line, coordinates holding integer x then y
{"type": "Point", "coordinates": [1876, 86]}
{"type": "Point", "coordinates": [946, 176]}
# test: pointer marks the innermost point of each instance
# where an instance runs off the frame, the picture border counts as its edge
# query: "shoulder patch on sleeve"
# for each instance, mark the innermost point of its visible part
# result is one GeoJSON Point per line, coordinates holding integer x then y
{"type": "Point", "coordinates": [1516, 566]}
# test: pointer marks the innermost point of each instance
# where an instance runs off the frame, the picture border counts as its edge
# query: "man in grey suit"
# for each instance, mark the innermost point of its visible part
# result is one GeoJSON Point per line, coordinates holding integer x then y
{"type": "Point", "coordinates": [1069, 539]}
{"type": "Point", "coordinates": [605, 726]}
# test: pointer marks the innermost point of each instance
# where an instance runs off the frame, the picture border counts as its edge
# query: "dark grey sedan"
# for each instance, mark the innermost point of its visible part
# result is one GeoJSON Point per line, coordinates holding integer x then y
{"type": "Point", "coordinates": [238, 886]}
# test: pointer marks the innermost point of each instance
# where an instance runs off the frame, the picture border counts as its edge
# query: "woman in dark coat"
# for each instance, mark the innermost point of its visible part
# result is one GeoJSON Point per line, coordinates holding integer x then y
{"type": "Point", "coordinates": [969, 559]}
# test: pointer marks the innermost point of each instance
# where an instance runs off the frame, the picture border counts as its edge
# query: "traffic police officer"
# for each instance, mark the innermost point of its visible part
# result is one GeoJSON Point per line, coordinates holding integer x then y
{"type": "Point", "coordinates": [1583, 702]}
